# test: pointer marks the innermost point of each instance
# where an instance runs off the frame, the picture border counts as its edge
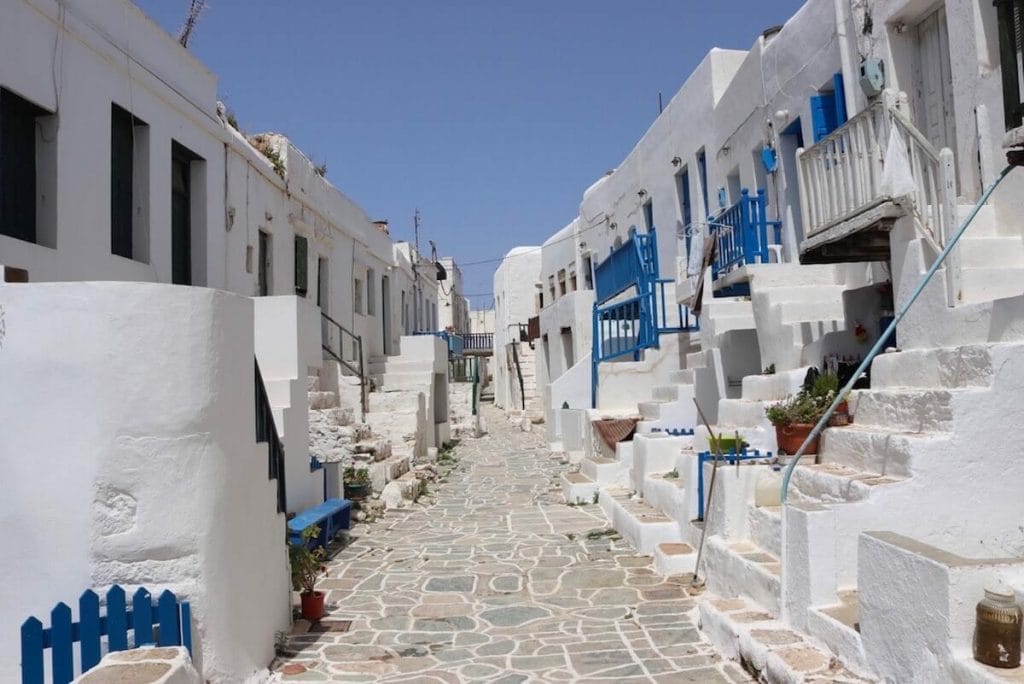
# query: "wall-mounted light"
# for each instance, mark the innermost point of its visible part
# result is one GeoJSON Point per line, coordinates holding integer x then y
{"type": "Point", "coordinates": [642, 193]}
{"type": "Point", "coordinates": [613, 225]}
{"type": "Point", "coordinates": [676, 161]}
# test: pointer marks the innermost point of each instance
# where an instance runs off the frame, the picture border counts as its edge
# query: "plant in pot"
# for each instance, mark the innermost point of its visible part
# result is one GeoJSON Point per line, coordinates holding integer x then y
{"type": "Point", "coordinates": [357, 483]}
{"type": "Point", "coordinates": [795, 417]}
{"type": "Point", "coordinates": [307, 566]}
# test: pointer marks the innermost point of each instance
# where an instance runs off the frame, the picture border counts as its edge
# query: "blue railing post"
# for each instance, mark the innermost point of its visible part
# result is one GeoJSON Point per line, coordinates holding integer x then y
{"type": "Point", "coordinates": [762, 224]}
{"type": "Point", "coordinates": [595, 355]}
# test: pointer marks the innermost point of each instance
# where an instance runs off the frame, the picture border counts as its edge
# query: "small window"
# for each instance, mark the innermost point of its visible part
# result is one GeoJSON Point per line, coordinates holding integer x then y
{"type": "Point", "coordinates": [649, 215]}
{"type": "Point", "coordinates": [357, 296]}
{"type": "Point", "coordinates": [572, 281]}
{"type": "Point", "coordinates": [588, 273]}
{"type": "Point", "coordinates": [301, 265]}
{"type": "Point", "coordinates": [266, 257]}
{"type": "Point", "coordinates": [28, 171]}
{"type": "Point", "coordinates": [129, 185]}
{"type": "Point", "coordinates": [561, 281]}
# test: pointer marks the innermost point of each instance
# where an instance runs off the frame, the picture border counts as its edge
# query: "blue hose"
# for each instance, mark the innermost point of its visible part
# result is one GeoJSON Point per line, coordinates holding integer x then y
{"type": "Point", "coordinates": [890, 330]}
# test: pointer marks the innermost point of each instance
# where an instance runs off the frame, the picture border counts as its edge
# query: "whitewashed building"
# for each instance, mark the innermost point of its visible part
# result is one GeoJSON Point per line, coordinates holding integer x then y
{"type": "Point", "coordinates": [831, 164]}
{"type": "Point", "coordinates": [117, 163]}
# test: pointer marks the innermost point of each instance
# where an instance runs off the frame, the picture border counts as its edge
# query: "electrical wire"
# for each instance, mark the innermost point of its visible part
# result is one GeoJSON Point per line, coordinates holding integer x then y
{"type": "Point", "coordinates": [532, 250]}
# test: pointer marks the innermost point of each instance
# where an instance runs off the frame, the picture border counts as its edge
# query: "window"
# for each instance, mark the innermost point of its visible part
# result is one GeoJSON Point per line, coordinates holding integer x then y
{"type": "Point", "coordinates": [572, 281]}
{"type": "Point", "coordinates": [357, 296]}
{"type": "Point", "coordinates": [561, 281]}
{"type": "Point", "coordinates": [28, 171]}
{"type": "Point", "coordinates": [301, 265]}
{"type": "Point", "coordinates": [129, 185]}
{"type": "Point", "coordinates": [733, 186]}
{"type": "Point", "coordinates": [685, 210]}
{"type": "Point", "coordinates": [702, 171]}
{"type": "Point", "coordinates": [588, 273]}
{"type": "Point", "coordinates": [182, 163]}
{"type": "Point", "coordinates": [649, 215]}
{"type": "Point", "coordinates": [540, 301]}
{"type": "Point", "coordinates": [266, 257]}
{"type": "Point", "coordinates": [551, 286]}
{"type": "Point", "coordinates": [371, 299]}
{"type": "Point", "coordinates": [567, 350]}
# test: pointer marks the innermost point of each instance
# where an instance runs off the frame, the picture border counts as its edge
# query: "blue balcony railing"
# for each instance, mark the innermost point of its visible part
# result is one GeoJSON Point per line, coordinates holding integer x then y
{"type": "Point", "coordinates": [631, 264]}
{"type": "Point", "coordinates": [741, 232]}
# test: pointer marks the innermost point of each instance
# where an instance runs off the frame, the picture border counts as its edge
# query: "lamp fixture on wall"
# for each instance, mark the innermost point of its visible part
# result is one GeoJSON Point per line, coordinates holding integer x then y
{"type": "Point", "coordinates": [613, 225]}
{"type": "Point", "coordinates": [642, 193]}
{"type": "Point", "coordinates": [676, 161]}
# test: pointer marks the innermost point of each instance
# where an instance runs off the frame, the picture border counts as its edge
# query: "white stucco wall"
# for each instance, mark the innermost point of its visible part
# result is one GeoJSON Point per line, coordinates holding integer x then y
{"type": "Point", "coordinates": [515, 283]}
{"type": "Point", "coordinates": [129, 453]}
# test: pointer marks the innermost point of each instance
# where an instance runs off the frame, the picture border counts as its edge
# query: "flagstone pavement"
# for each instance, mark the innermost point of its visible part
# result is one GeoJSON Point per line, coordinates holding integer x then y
{"type": "Point", "coordinates": [493, 578]}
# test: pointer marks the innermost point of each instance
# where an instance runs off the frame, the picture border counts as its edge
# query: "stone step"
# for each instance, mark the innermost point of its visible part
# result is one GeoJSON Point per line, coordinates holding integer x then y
{"type": "Point", "coordinates": [811, 293]}
{"type": "Point", "coordinates": [312, 383]}
{"type": "Point", "coordinates": [674, 558]}
{"type": "Point", "coordinates": [838, 627]}
{"type": "Point", "coordinates": [666, 492]}
{"type": "Point", "coordinates": [578, 488]}
{"type": "Point", "coordinates": [820, 312]}
{"type": "Point", "coordinates": [830, 483]}
{"type": "Point", "coordinates": [743, 569]}
{"type": "Point", "coordinates": [935, 368]}
{"type": "Point", "coordinates": [874, 450]}
{"type": "Point", "coordinates": [644, 527]}
{"type": "Point", "coordinates": [742, 631]}
{"type": "Point", "coordinates": [742, 412]}
{"type": "Point", "coordinates": [681, 377]}
{"type": "Point", "coordinates": [988, 284]}
{"type": "Point", "coordinates": [764, 524]}
{"type": "Point", "coordinates": [773, 387]}
{"type": "Point", "coordinates": [605, 471]}
{"type": "Point", "coordinates": [903, 410]}
{"type": "Point", "coordinates": [997, 252]}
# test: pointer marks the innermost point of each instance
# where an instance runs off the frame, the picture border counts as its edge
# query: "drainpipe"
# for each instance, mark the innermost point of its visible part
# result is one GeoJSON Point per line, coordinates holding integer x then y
{"type": "Point", "coordinates": [850, 73]}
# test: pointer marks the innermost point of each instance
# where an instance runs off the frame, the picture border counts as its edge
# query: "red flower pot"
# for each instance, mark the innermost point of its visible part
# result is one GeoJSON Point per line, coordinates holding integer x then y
{"type": "Point", "coordinates": [312, 605]}
{"type": "Point", "coordinates": [791, 436]}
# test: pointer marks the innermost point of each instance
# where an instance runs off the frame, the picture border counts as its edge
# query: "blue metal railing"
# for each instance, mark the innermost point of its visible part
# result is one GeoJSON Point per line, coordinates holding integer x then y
{"type": "Point", "coordinates": [454, 341]}
{"type": "Point", "coordinates": [742, 233]}
{"type": "Point", "coordinates": [631, 325]}
{"type": "Point", "coordinates": [630, 265]}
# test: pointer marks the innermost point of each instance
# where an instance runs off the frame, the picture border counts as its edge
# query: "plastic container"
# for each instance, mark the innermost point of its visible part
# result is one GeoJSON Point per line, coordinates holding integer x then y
{"type": "Point", "coordinates": [997, 628]}
{"type": "Point", "coordinates": [768, 489]}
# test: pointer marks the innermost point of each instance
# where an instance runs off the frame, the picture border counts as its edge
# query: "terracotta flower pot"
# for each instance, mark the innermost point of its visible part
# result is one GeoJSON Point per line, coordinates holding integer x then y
{"type": "Point", "coordinates": [841, 416]}
{"type": "Point", "coordinates": [312, 605]}
{"type": "Point", "coordinates": [791, 436]}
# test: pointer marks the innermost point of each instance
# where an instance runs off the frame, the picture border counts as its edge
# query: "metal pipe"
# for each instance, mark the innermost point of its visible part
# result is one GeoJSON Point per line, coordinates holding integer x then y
{"type": "Point", "coordinates": [889, 330]}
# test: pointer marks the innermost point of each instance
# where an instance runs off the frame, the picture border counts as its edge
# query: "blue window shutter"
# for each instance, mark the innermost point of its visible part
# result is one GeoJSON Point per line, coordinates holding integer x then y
{"type": "Point", "coordinates": [840, 96]}
{"type": "Point", "coordinates": [823, 115]}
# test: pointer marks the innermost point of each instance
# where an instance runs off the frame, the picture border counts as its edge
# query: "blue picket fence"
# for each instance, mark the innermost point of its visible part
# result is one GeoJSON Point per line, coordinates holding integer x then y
{"type": "Point", "coordinates": [171, 617]}
{"type": "Point", "coordinates": [741, 232]}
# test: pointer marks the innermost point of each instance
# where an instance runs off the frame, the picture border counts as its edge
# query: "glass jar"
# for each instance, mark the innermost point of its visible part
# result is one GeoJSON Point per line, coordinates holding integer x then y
{"type": "Point", "coordinates": [997, 629]}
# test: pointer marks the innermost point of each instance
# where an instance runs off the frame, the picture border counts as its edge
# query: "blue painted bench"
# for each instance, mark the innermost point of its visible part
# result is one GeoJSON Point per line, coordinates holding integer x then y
{"type": "Point", "coordinates": [331, 517]}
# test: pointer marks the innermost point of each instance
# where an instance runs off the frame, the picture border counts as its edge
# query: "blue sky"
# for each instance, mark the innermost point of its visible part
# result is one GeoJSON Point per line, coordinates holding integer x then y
{"type": "Point", "coordinates": [491, 117]}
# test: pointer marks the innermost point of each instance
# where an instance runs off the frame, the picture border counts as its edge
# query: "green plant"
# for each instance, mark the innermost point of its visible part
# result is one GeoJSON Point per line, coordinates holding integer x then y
{"type": "Point", "coordinates": [306, 564]}
{"type": "Point", "coordinates": [357, 476]}
{"type": "Point", "coordinates": [262, 144]}
{"type": "Point", "coordinates": [320, 169]}
{"type": "Point", "coordinates": [672, 474]}
{"type": "Point", "coordinates": [232, 120]}
{"type": "Point", "coordinates": [804, 407]}
{"type": "Point", "coordinates": [825, 384]}
{"type": "Point", "coordinates": [769, 370]}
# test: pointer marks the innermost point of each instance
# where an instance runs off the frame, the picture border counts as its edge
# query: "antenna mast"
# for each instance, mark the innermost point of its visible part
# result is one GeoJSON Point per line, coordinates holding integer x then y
{"type": "Point", "coordinates": [195, 9]}
{"type": "Point", "coordinates": [418, 303]}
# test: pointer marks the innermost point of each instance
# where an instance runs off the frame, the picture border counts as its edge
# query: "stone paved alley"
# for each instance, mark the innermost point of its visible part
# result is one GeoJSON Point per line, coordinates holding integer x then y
{"type": "Point", "coordinates": [492, 578]}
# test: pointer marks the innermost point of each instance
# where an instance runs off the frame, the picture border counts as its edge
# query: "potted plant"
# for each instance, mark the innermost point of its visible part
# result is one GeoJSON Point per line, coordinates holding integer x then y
{"type": "Point", "coordinates": [795, 417]}
{"type": "Point", "coordinates": [357, 483]}
{"type": "Point", "coordinates": [307, 566]}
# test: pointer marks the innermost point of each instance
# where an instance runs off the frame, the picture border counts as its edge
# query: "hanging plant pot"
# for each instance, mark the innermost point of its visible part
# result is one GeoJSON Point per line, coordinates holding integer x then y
{"type": "Point", "coordinates": [312, 605]}
{"type": "Point", "coordinates": [792, 435]}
